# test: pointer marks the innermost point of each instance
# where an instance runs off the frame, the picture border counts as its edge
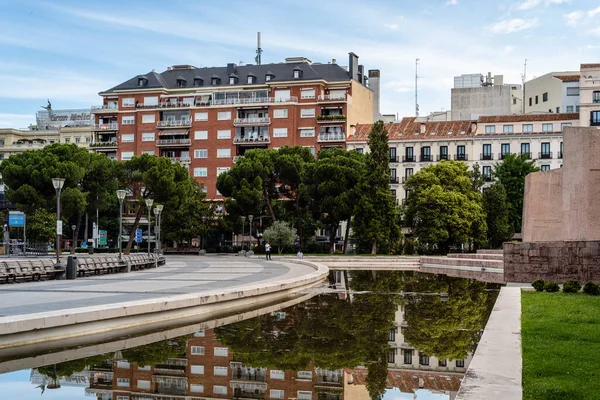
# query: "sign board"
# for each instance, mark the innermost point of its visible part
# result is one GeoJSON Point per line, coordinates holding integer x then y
{"type": "Point", "coordinates": [59, 227]}
{"type": "Point", "coordinates": [84, 245]}
{"type": "Point", "coordinates": [138, 235]}
{"type": "Point", "coordinates": [16, 219]}
{"type": "Point", "coordinates": [102, 241]}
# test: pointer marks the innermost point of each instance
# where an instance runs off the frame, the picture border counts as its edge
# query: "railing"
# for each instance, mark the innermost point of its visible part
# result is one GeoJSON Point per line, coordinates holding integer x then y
{"type": "Point", "coordinates": [394, 180]}
{"type": "Point", "coordinates": [331, 137]}
{"type": "Point", "coordinates": [19, 145]}
{"type": "Point", "coordinates": [165, 104]}
{"type": "Point", "coordinates": [329, 97]}
{"type": "Point", "coordinates": [106, 107]}
{"type": "Point", "coordinates": [186, 123]}
{"type": "Point", "coordinates": [502, 156]}
{"type": "Point", "coordinates": [441, 157]}
{"type": "Point", "coordinates": [487, 178]}
{"type": "Point", "coordinates": [222, 102]}
{"type": "Point", "coordinates": [331, 118]}
{"type": "Point", "coordinates": [461, 157]}
{"type": "Point", "coordinates": [405, 178]}
{"type": "Point", "coordinates": [393, 159]}
{"type": "Point", "coordinates": [248, 377]}
{"type": "Point", "coordinates": [425, 158]}
{"type": "Point", "coordinates": [560, 154]}
{"type": "Point", "coordinates": [527, 154]}
{"type": "Point", "coordinates": [180, 159]}
{"type": "Point", "coordinates": [486, 156]}
{"type": "Point", "coordinates": [251, 141]}
{"type": "Point", "coordinates": [408, 158]}
{"type": "Point", "coordinates": [545, 155]}
{"type": "Point", "coordinates": [112, 126]}
{"type": "Point", "coordinates": [252, 121]}
{"type": "Point", "coordinates": [173, 142]}
{"type": "Point", "coordinates": [103, 144]}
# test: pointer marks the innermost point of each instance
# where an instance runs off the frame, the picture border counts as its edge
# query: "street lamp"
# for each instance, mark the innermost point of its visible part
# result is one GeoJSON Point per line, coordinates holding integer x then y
{"type": "Point", "coordinates": [156, 226]}
{"type": "Point", "coordinates": [121, 196]}
{"type": "Point", "coordinates": [250, 218]}
{"type": "Point", "coordinates": [74, 244]}
{"type": "Point", "coordinates": [243, 227]}
{"type": "Point", "coordinates": [160, 209]}
{"type": "Point", "coordinates": [58, 185]}
{"type": "Point", "coordinates": [149, 205]}
{"type": "Point", "coordinates": [204, 230]}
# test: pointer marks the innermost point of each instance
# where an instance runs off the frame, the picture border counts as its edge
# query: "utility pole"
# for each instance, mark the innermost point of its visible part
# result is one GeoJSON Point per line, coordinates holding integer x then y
{"type": "Point", "coordinates": [258, 49]}
{"type": "Point", "coordinates": [524, 80]}
{"type": "Point", "coordinates": [417, 87]}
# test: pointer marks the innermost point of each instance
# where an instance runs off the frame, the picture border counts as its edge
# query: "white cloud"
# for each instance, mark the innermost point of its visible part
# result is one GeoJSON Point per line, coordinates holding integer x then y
{"type": "Point", "coordinates": [451, 2]}
{"type": "Point", "coordinates": [391, 27]}
{"type": "Point", "coordinates": [514, 25]}
{"type": "Point", "coordinates": [529, 4]}
{"type": "Point", "coordinates": [593, 12]}
{"type": "Point", "coordinates": [574, 17]}
{"type": "Point", "coordinates": [595, 31]}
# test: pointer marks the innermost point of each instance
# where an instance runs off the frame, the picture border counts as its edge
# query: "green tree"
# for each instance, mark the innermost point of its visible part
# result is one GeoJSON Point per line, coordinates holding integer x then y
{"type": "Point", "coordinates": [188, 221]}
{"type": "Point", "coordinates": [477, 178]}
{"type": "Point", "coordinates": [442, 208]}
{"type": "Point", "coordinates": [280, 234]}
{"type": "Point", "coordinates": [41, 226]}
{"type": "Point", "coordinates": [511, 173]}
{"type": "Point", "coordinates": [376, 216]}
{"type": "Point", "coordinates": [158, 352]}
{"type": "Point", "coordinates": [496, 206]}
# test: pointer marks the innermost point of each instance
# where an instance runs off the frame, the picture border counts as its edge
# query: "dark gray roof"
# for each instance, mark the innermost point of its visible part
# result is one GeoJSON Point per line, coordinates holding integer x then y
{"type": "Point", "coordinates": [281, 72]}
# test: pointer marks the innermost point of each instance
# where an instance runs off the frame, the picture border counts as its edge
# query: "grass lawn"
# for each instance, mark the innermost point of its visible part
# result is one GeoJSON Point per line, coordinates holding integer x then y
{"type": "Point", "coordinates": [561, 346]}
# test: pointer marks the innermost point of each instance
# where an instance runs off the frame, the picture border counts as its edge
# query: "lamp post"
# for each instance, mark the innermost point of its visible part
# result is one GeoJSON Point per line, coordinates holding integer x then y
{"type": "Point", "coordinates": [250, 218]}
{"type": "Point", "coordinates": [156, 226]}
{"type": "Point", "coordinates": [121, 196]}
{"type": "Point", "coordinates": [74, 243]}
{"type": "Point", "coordinates": [243, 227]}
{"type": "Point", "coordinates": [149, 203]}
{"type": "Point", "coordinates": [58, 185]}
{"type": "Point", "coordinates": [160, 209]}
{"type": "Point", "coordinates": [204, 230]}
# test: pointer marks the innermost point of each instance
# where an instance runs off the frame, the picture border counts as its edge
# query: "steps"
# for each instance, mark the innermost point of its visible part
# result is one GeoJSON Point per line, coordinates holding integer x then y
{"type": "Point", "coordinates": [490, 251]}
{"type": "Point", "coordinates": [477, 256]}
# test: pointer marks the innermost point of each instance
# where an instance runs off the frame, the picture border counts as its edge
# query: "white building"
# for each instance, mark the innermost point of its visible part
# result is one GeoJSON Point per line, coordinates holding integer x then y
{"type": "Point", "coordinates": [554, 92]}
{"type": "Point", "coordinates": [589, 86]}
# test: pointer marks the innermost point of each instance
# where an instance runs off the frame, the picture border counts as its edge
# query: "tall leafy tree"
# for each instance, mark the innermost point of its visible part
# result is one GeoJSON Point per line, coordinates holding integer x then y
{"type": "Point", "coordinates": [189, 220]}
{"type": "Point", "coordinates": [511, 173]}
{"type": "Point", "coordinates": [376, 220]}
{"type": "Point", "coordinates": [280, 234]}
{"type": "Point", "coordinates": [443, 208]}
{"type": "Point", "coordinates": [496, 206]}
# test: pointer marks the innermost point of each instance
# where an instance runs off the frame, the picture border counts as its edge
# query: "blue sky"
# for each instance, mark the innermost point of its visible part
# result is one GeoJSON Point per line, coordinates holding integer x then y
{"type": "Point", "coordinates": [68, 51]}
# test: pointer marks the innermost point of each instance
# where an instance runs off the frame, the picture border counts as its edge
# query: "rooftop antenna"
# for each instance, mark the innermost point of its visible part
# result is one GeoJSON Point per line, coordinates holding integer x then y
{"type": "Point", "coordinates": [417, 87]}
{"type": "Point", "coordinates": [524, 80]}
{"type": "Point", "coordinates": [258, 50]}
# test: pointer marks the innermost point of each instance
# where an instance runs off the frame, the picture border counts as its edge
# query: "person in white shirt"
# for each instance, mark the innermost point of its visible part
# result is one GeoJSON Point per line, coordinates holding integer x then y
{"type": "Point", "coordinates": [268, 250]}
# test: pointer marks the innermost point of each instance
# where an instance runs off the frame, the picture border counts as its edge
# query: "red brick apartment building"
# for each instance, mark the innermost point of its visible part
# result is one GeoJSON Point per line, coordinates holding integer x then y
{"type": "Point", "coordinates": [206, 118]}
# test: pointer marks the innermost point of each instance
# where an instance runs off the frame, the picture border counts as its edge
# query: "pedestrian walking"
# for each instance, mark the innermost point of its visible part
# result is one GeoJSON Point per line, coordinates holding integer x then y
{"type": "Point", "coordinates": [268, 250]}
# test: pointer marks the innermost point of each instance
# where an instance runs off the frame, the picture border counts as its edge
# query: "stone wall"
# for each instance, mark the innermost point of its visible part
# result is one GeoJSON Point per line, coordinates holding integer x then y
{"type": "Point", "coordinates": [556, 261]}
{"type": "Point", "coordinates": [542, 207]}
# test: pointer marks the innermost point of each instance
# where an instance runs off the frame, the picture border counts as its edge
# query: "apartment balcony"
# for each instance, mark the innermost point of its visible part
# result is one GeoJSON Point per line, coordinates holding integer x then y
{"type": "Point", "coordinates": [252, 121]}
{"type": "Point", "coordinates": [560, 154]}
{"type": "Point", "coordinates": [252, 141]}
{"type": "Point", "coordinates": [112, 126]}
{"type": "Point", "coordinates": [502, 156]}
{"type": "Point", "coordinates": [394, 180]}
{"type": "Point", "coordinates": [173, 366]}
{"type": "Point", "coordinates": [425, 158]}
{"type": "Point", "coordinates": [29, 145]}
{"type": "Point", "coordinates": [257, 100]}
{"type": "Point", "coordinates": [324, 119]}
{"type": "Point", "coordinates": [248, 377]}
{"type": "Point", "coordinates": [236, 158]}
{"type": "Point", "coordinates": [528, 155]}
{"type": "Point", "coordinates": [327, 98]}
{"type": "Point", "coordinates": [393, 159]}
{"type": "Point", "coordinates": [107, 108]}
{"type": "Point", "coordinates": [545, 156]}
{"type": "Point", "coordinates": [461, 157]}
{"type": "Point", "coordinates": [331, 377]}
{"type": "Point", "coordinates": [404, 179]}
{"type": "Point", "coordinates": [441, 157]}
{"type": "Point", "coordinates": [165, 104]}
{"type": "Point", "coordinates": [174, 142]}
{"type": "Point", "coordinates": [104, 146]}
{"type": "Point", "coordinates": [409, 158]}
{"type": "Point", "coordinates": [331, 137]}
{"type": "Point", "coordinates": [184, 123]}
{"type": "Point", "coordinates": [181, 160]}
{"type": "Point", "coordinates": [486, 156]}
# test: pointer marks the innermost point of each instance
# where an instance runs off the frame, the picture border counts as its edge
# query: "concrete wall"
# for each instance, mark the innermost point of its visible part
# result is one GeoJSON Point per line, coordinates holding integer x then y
{"type": "Point", "coordinates": [470, 103]}
{"type": "Point", "coordinates": [537, 87]}
{"type": "Point", "coordinates": [360, 107]}
{"type": "Point", "coordinates": [542, 207]}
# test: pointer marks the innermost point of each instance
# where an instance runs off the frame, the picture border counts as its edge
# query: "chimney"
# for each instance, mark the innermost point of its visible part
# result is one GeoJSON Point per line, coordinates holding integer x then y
{"type": "Point", "coordinates": [361, 73]}
{"type": "Point", "coordinates": [231, 68]}
{"type": "Point", "coordinates": [423, 127]}
{"type": "Point", "coordinates": [333, 61]}
{"type": "Point", "coordinates": [353, 66]}
{"type": "Point", "coordinates": [374, 86]}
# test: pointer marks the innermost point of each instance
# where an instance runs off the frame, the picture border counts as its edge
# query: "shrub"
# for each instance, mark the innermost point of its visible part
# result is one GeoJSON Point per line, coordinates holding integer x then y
{"type": "Point", "coordinates": [538, 285]}
{"type": "Point", "coordinates": [551, 287]}
{"type": "Point", "coordinates": [571, 287]}
{"type": "Point", "coordinates": [409, 247]}
{"type": "Point", "coordinates": [592, 289]}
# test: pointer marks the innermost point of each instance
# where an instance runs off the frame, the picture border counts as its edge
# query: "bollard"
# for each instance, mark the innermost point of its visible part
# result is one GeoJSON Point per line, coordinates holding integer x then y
{"type": "Point", "coordinates": [72, 267]}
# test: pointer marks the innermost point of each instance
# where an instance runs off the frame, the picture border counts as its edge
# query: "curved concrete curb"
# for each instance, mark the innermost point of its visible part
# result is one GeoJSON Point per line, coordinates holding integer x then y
{"type": "Point", "coordinates": [23, 330]}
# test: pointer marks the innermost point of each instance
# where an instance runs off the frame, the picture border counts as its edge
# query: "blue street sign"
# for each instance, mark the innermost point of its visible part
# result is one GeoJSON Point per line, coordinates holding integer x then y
{"type": "Point", "coordinates": [16, 220]}
{"type": "Point", "coordinates": [138, 235]}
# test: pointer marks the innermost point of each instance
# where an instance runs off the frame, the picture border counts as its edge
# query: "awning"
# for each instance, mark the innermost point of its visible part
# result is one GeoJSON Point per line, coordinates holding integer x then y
{"type": "Point", "coordinates": [169, 132]}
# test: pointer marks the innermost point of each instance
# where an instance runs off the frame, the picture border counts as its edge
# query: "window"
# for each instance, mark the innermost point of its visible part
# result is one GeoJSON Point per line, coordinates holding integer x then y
{"type": "Point", "coordinates": [68, 140]}
{"type": "Point", "coordinates": [490, 129]}
{"type": "Point", "coordinates": [126, 155]}
{"type": "Point", "coordinates": [307, 93]}
{"type": "Point", "coordinates": [280, 113]}
{"type": "Point", "coordinates": [504, 150]}
{"type": "Point", "coordinates": [573, 91]}
{"type": "Point", "coordinates": [557, 110]}
{"type": "Point", "coordinates": [307, 113]}
{"type": "Point", "coordinates": [595, 118]}
{"type": "Point", "coordinates": [596, 96]}
{"type": "Point", "coordinates": [545, 148]}
{"type": "Point", "coordinates": [545, 168]}
{"type": "Point", "coordinates": [201, 116]}
{"type": "Point", "coordinates": [296, 73]}
{"type": "Point", "coordinates": [560, 153]}
{"type": "Point", "coordinates": [279, 132]}
{"type": "Point", "coordinates": [220, 170]}
{"type": "Point", "coordinates": [570, 109]}
{"type": "Point", "coordinates": [443, 152]}
{"type": "Point", "coordinates": [219, 389]}
{"type": "Point", "coordinates": [198, 350]}
{"type": "Point", "coordinates": [197, 369]}
{"type": "Point", "coordinates": [277, 374]}
{"type": "Point", "coordinates": [196, 388]}
{"type": "Point", "coordinates": [223, 153]}
{"type": "Point", "coordinates": [144, 368]}
{"type": "Point", "coordinates": [224, 134]}
{"type": "Point", "coordinates": [442, 363]}
{"type": "Point", "coordinates": [423, 359]}
{"type": "Point", "coordinates": [460, 363]}
{"type": "Point", "coordinates": [128, 102]}
{"type": "Point", "coordinates": [123, 382]}
{"type": "Point", "coordinates": [391, 356]}
{"type": "Point", "coordinates": [304, 395]}
{"type": "Point", "coordinates": [143, 384]}
{"type": "Point", "coordinates": [426, 153]}
{"type": "Point", "coordinates": [408, 154]}
{"type": "Point", "coordinates": [547, 128]}
{"type": "Point", "coordinates": [148, 118]}
{"type": "Point", "coordinates": [268, 77]}
{"type": "Point", "coordinates": [127, 138]}
{"type": "Point", "coordinates": [304, 374]}
{"type": "Point", "coordinates": [231, 80]}
{"type": "Point", "coordinates": [221, 351]}
{"type": "Point", "coordinates": [536, 99]}
{"type": "Point", "coordinates": [307, 132]}
{"type": "Point", "coordinates": [487, 152]}
{"type": "Point", "coordinates": [220, 371]}
{"type": "Point", "coordinates": [408, 172]}
{"type": "Point", "coordinates": [200, 172]}
{"type": "Point", "coordinates": [198, 81]}
{"type": "Point", "coordinates": [408, 353]}
{"type": "Point", "coordinates": [282, 95]}
{"type": "Point", "coordinates": [508, 129]}
{"type": "Point", "coordinates": [527, 128]}
{"type": "Point", "coordinates": [460, 153]}
{"type": "Point", "coordinates": [487, 172]}
{"type": "Point", "coordinates": [128, 120]}
{"type": "Point", "coordinates": [148, 137]}
{"type": "Point", "coordinates": [576, 109]}
{"type": "Point", "coordinates": [215, 81]}
{"type": "Point", "coordinates": [149, 152]}
{"type": "Point", "coordinates": [250, 80]}
{"type": "Point", "coordinates": [276, 394]}
{"type": "Point", "coordinates": [530, 102]}
{"type": "Point", "coordinates": [224, 115]}
{"type": "Point", "coordinates": [77, 140]}
{"type": "Point", "coordinates": [122, 397]}
{"type": "Point", "coordinates": [545, 97]}
{"type": "Point", "coordinates": [201, 153]}
{"type": "Point", "coordinates": [525, 149]}
{"type": "Point", "coordinates": [200, 135]}
{"type": "Point", "coordinates": [200, 333]}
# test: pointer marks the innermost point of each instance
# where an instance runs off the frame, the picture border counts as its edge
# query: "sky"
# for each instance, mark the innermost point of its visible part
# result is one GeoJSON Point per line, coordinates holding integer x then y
{"type": "Point", "coordinates": [68, 51]}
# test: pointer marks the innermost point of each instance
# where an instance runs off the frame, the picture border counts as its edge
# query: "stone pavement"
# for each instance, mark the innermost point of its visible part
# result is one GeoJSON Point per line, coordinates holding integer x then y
{"type": "Point", "coordinates": [181, 275]}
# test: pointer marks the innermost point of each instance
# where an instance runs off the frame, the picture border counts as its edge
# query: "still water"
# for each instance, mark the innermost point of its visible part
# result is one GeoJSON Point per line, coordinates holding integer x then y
{"type": "Point", "coordinates": [370, 335]}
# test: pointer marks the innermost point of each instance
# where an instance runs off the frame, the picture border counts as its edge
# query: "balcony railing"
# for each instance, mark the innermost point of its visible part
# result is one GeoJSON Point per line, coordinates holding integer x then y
{"type": "Point", "coordinates": [486, 156]}
{"type": "Point", "coordinates": [502, 156]}
{"type": "Point", "coordinates": [393, 159]}
{"type": "Point", "coordinates": [487, 178]}
{"type": "Point", "coordinates": [184, 123]}
{"type": "Point", "coordinates": [560, 154]}
{"type": "Point", "coordinates": [241, 376]}
{"type": "Point", "coordinates": [331, 137]}
{"type": "Point", "coordinates": [394, 180]}
{"type": "Point", "coordinates": [251, 141]}
{"type": "Point", "coordinates": [165, 104]}
{"type": "Point", "coordinates": [545, 155]}
{"type": "Point", "coordinates": [104, 108]}
{"type": "Point", "coordinates": [332, 98]}
{"type": "Point", "coordinates": [527, 155]}
{"type": "Point", "coordinates": [173, 142]}
{"type": "Point", "coordinates": [330, 118]}
{"type": "Point", "coordinates": [461, 157]}
{"type": "Point", "coordinates": [252, 121]}
{"type": "Point", "coordinates": [441, 157]}
{"type": "Point", "coordinates": [183, 160]}
{"type": "Point", "coordinates": [103, 144]}
{"type": "Point", "coordinates": [408, 158]}
{"type": "Point", "coordinates": [425, 158]}
{"type": "Point", "coordinates": [257, 100]}
{"type": "Point", "coordinates": [112, 126]}
{"type": "Point", "coordinates": [405, 178]}
{"type": "Point", "coordinates": [31, 145]}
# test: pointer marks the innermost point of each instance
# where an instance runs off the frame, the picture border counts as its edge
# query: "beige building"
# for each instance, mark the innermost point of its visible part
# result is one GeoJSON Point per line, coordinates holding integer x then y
{"type": "Point", "coordinates": [589, 86]}
{"type": "Point", "coordinates": [554, 92]}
